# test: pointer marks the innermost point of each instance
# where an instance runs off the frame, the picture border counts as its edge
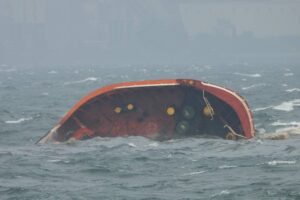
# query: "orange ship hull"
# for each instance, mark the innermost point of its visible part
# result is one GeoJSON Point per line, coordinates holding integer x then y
{"type": "Point", "coordinates": [158, 109]}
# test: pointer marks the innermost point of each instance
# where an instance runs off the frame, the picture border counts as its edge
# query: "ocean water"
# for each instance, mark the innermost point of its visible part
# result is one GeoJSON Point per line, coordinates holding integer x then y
{"type": "Point", "coordinates": [33, 99]}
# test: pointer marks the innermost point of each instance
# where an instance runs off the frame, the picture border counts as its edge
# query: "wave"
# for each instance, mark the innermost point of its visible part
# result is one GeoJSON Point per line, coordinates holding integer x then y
{"type": "Point", "coordinates": [45, 94]}
{"type": "Point", "coordinates": [6, 68]}
{"type": "Point", "coordinates": [287, 105]}
{"type": "Point", "coordinates": [260, 130]}
{"type": "Point", "coordinates": [248, 75]}
{"type": "Point", "coordinates": [52, 72]}
{"type": "Point", "coordinates": [289, 74]}
{"type": "Point", "coordinates": [293, 90]}
{"type": "Point", "coordinates": [253, 86]}
{"type": "Point", "coordinates": [155, 144]}
{"type": "Point", "coordinates": [281, 162]}
{"type": "Point", "coordinates": [194, 173]}
{"type": "Point", "coordinates": [286, 130]}
{"type": "Point", "coordinates": [262, 108]}
{"type": "Point", "coordinates": [18, 120]}
{"type": "Point", "coordinates": [227, 166]}
{"type": "Point", "coordinates": [222, 193]}
{"type": "Point", "coordinates": [280, 123]}
{"type": "Point", "coordinates": [54, 161]}
{"type": "Point", "coordinates": [291, 128]}
{"type": "Point", "coordinates": [81, 81]}
{"type": "Point", "coordinates": [132, 145]}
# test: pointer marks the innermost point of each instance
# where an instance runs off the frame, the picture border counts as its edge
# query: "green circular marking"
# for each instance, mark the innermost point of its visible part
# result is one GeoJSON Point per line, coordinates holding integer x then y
{"type": "Point", "coordinates": [188, 112]}
{"type": "Point", "coordinates": [182, 127]}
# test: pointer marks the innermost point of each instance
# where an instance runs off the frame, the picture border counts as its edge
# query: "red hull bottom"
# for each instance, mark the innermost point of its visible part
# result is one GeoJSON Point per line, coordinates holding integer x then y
{"type": "Point", "coordinates": [159, 111]}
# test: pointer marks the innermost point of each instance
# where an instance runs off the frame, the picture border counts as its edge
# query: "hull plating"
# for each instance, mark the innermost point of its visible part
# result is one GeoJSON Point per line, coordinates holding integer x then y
{"type": "Point", "coordinates": [161, 109]}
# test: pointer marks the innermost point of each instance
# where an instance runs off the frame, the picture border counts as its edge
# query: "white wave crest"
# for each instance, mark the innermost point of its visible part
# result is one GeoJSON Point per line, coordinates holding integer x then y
{"type": "Point", "coordinates": [253, 86]}
{"type": "Point", "coordinates": [261, 130]}
{"type": "Point", "coordinates": [227, 166]}
{"type": "Point", "coordinates": [155, 144]}
{"type": "Point", "coordinates": [18, 120]}
{"type": "Point", "coordinates": [262, 108]}
{"type": "Point", "coordinates": [45, 94]}
{"type": "Point", "coordinates": [54, 161]}
{"type": "Point", "coordinates": [52, 72]}
{"type": "Point", "coordinates": [89, 79]}
{"type": "Point", "coordinates": [131, 145]}
{"type": "Point", "coordinates": [289, 74]}
{"type": "Point", "coordinates": [293, 90]}
{"type": "Point", "coordinates": [248, 75]}
{"type": "Point", "coordinates": [280, 123]}
{"type": "Point", "coordinates": [290, 128]}
{"type": "Point", "coordinates": [288, 105]}
{"type": "Point", "coordinates": [194, 173]}
{"type": "Point", "coordinates": [223, 192]}
{"type": "Point", "coordinates": [281, 162]}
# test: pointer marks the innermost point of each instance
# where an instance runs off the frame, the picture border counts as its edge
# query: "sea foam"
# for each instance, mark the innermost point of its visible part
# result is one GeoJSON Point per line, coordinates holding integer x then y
{"type": "Point", "coordinates": [281, 162]}
{"type": "Point", "coordinates": [194, 173]}
{"type": "Point", "coordinates": [280, 123]}
{"type": "Point", "coordinates": [293, 90]}
{"type": "Point", "coordinates": [227, 166]}
{"type": "Point", "coordinates": [289, 74]}
{"type": "Point", "coordinates": [18, 120]}
{"type": "Point", "coordinates": [253, 86]}
{"type": "Point", "coordinates": [292, 128]}
{"type": "Point", "coordinates": [262, 108]}
{"type": "Point", "coordinates": [222, 193]}
{"type": "Point", "coordinates": [288, 105]}
{"type": "Point", "coordinates": [52, 72]}
{"type": "Point", "coordinates": [89, 79]}
{"type": "Point", "coordinates": [248, 75]}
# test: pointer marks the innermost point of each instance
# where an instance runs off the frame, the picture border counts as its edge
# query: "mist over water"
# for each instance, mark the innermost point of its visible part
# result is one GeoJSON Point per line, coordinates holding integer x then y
{"type": "Point", "coordinates": [53, 52]}
{"type": "Point", "coordinates": [118, 32]}
{"type": "Point", "coordinates": [34, 99]}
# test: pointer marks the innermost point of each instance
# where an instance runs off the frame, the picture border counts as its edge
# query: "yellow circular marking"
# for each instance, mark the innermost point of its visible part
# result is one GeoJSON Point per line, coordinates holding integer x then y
{"type": "Point", "coordinates": [130, 106]}
{"type": "Point", "coordinates": [170, 111]}
{"type": "Point", "coordinates": [191, 82]}
{"type": "Point", "coordinates": [118, 109]}
{"type": "Point", "coordinates": [207, 111]}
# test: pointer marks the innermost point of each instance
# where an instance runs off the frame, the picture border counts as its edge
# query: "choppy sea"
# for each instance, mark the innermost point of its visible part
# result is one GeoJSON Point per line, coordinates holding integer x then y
{"type": "Point", "coordinates": [33, 99]}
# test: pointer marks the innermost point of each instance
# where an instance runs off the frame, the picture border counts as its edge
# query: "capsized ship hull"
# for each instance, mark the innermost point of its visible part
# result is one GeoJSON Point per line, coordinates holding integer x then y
{"type": "Point", "coordinates": [158, 109]}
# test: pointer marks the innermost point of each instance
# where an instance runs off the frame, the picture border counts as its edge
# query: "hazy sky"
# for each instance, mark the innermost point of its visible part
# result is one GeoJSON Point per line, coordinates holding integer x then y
{"type": "Point", "coordinates": [263, 18]}
{"type": "Point", "coordinates": [148, 31]}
